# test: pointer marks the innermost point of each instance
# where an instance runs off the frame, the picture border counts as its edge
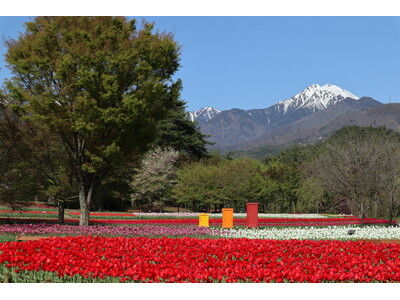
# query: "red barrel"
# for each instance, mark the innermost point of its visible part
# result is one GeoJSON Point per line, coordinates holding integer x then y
{"type": "Point", "coordinates": [252, 215]}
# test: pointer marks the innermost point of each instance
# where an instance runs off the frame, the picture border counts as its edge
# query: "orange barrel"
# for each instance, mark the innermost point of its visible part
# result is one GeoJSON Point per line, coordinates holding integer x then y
{"type": "Point", "coordinates": [252, 215]}
{"type": "Point", "coordinates": [203, 220]}
{"type": "Point", "coordinates": [227, 218]}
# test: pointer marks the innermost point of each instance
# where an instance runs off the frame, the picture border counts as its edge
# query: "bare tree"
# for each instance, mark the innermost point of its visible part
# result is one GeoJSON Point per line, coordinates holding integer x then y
{"type": "Point", "coordinates": [361, 164]}
{"type": "Point", "coordinates": [386, 195]}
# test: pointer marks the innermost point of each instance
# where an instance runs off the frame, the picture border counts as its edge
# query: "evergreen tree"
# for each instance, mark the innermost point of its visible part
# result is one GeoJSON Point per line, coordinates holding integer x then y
{"type": "Point", "coordinates": [181, 134]}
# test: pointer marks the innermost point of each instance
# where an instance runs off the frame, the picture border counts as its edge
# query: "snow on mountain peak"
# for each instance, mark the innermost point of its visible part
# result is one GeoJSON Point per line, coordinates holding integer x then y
{"type": "Point", "coordinates": [316, 97]}
{"type": "Point", "coordinates": [204, 114]}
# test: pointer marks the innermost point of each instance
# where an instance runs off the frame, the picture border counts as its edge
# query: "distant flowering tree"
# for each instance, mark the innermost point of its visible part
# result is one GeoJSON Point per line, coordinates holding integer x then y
{"type": "Point", "coordinates": [155, 178]}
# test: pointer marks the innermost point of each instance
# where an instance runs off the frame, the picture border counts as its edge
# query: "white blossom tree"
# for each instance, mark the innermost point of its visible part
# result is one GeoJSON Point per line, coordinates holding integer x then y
{"type": "Point", "coordinates": [155, 178]}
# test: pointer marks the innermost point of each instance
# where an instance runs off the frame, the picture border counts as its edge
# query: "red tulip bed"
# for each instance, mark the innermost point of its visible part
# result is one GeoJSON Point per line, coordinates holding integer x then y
{"type": "Point", "coordinates": [120, 259]}
{"type": "Point", "coordinates": [97, 214]}
{"type": "Point", "coordinates": [54, 211]}
{"type": "Point", "coordinates": [28, 212]}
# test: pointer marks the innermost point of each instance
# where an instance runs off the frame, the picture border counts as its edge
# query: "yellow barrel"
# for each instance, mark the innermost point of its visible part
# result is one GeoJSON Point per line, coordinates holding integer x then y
{"type": "Point", "coordinates": [227, 218]}
{"type": "Point", "coordinates": [203, 220]}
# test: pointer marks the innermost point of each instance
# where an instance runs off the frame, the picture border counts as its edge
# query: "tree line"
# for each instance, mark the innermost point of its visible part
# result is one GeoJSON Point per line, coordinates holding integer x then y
{"type": "Point", "coordinates": [355, 171]}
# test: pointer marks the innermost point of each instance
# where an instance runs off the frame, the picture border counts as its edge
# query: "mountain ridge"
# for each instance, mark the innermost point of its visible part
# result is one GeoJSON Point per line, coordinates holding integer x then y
{"type": "Point", "coordinates": [384, 115]}
{"type": "Point", "coordinates": [307, 129]}
{"type": "Point", "coordinates": [313, 96]}
{"type": "Point", "coordinates": [204, 114]}
{"type": "Point", "coordinates": [229, 128]}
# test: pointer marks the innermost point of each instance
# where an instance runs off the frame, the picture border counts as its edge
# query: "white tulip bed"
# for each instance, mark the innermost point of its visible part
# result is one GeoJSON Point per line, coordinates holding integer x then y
{"type": "Point", "coordinates": [314, 233]}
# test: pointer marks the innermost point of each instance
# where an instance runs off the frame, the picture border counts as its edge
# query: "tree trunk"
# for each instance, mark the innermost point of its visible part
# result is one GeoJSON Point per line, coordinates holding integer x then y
{"type": "Point", "coordinates": [85, 199]}
{"type": "Point", "coordinates": [391, 209]}
{"type": "Point", "coordinates": [390, 217]}
{"type": "Point", "coordinates": [362, 214]}
{"type": "Point", "coordinates": [375, 208]}
{"type": "Point", "coordinates": [60, 212]}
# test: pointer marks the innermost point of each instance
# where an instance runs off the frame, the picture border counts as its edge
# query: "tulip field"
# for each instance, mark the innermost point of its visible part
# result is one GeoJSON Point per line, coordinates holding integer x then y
{"type": "Point", "coordinates": [121, 259]}
{"type": "Point", "coordinates": [171, 247]}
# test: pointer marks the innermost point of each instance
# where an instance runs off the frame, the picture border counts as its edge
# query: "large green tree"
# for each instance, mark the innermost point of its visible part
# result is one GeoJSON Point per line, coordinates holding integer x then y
{"type": "Point", "coordinates": [279, 192]}
{"type": "Point", "coordinates": [218, 183]}
{"type": "Point", "coordinates": [199, 186]}
{"type": "Point", "coordinates": [100, 84]}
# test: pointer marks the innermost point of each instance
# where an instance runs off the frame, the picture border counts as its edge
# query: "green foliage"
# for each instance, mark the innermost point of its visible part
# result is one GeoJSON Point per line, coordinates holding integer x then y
{"type": "Point", "coordinates": [198, 185]}
{"type": "Point", "coordinates": [24, 276]}
{"type": "Point", "coordinates": [99, 84]}
{"type": "Point", "coordinates": [296, 154]}
{"type": "Point", "coordinates": [217, 182]}
{"type": "Point", "coordinates": [242, 181]}
{"type": "Point", "coordinates": [281, 187]}
{"type": "Point", "coordinates": [355, 132]}
{"type": "Point", "coordinates": [97, 80]}
{"type": "Point", "coordinates": [32, 161]}
{"type": "Point", "coordinates": [179, 133]}
{"type": "Point", "coordinates": [260, 152]}
{"type": "Point", "coordinates": [313, 198]}
{"type": "Point", "coordinates": [227, 182]}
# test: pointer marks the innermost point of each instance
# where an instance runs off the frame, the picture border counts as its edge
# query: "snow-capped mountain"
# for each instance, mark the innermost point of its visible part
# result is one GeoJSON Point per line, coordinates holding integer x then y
{"type": "Point", "coordinates": [316, 98]}
{"type": "Point", "coordinates": [230, 128]}
{"type": "Point", "coordinates": [203, 114]}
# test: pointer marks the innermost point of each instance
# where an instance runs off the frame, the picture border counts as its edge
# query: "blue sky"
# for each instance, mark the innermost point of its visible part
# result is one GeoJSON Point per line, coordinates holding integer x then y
{"type": "Point", "coordinates": [253, 62]}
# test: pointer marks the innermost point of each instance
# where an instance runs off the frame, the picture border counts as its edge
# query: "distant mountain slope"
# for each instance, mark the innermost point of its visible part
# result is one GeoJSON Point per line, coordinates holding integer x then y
{"type": "Point", "coordinates": [387, 115]}
{"type": "Point", "coordinates": [307, 130]}
{"type": "Point", "coordinates": [231, 127]}
{"type": "Point", "coordinates": [234, 127]}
